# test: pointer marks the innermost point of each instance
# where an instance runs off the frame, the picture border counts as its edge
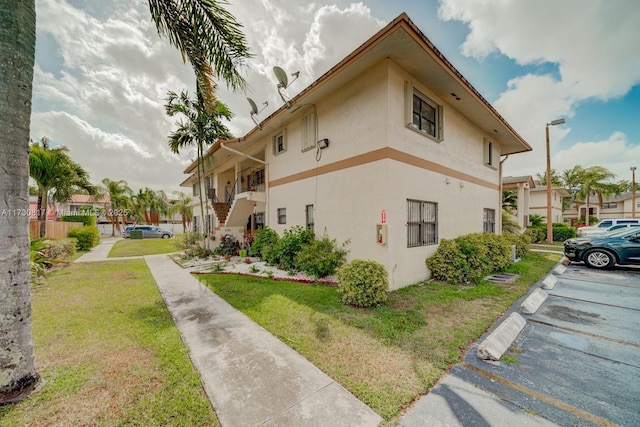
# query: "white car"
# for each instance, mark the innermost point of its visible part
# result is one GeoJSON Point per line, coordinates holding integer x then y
{"type": "Point", "coordinates": [603, 231]}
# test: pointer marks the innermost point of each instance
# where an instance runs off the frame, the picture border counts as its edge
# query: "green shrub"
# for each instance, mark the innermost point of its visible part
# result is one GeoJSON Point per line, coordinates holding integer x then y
{"type": "Point", "coordinates": [321, 258]}
{"type": "Point", "coordinates": [363, 283]}
{"type": "Point", "coordinates": [522, 242]}
{"type": "Point", "coordinates": [448, 263]}
{"type": "Point", "coordinates": [87, 220]}
{"type": "Point", "coordinates": [86, 236]}
{"type": "Point", "coordinates": [264, 245]}
{"type": "Point", "coordinates": [535, 234]}
{"type": "Point", "coordinates": [290, 244]}
{"type": "Point", "coordinates": [562, 232]}
{"type": "Point", "coordinates": [60, 249]}
{"type": "Point", "coordinates": [469, 258]}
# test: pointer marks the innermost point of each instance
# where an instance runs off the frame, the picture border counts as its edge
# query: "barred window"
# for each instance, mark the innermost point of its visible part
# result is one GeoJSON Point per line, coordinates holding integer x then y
{"type": "Point", "coordinates": [489, 220]}
{"type": "Point", "coordinates": [422, 223]}
{"type": "Point", "coordinates": [282, 215]}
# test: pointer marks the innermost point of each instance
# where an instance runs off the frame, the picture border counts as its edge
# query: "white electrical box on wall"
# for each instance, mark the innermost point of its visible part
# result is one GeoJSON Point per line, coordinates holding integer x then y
{"type": "Point", "coordinates": [381, 234]}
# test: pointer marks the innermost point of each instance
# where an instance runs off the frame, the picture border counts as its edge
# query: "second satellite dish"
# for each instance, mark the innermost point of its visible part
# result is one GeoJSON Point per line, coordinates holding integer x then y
{"type": "Point", "coordinates": [283, 82]}
{"type": "Point", "coordinates": [254, 111]}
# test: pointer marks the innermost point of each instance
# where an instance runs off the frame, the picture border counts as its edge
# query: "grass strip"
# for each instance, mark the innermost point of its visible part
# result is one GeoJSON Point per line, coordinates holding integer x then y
{"type": "Point", "coordinates": [389, 355]}
{"type": "Point", "coordinates": [110, 353]}
{"type": "Point", "coordinates": [129, 247]}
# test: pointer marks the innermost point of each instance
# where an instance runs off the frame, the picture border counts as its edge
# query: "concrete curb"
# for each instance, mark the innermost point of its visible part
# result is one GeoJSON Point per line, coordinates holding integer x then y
{"type": "Point", "coordinates": [549, 282]}
{"type": "Point", "coordinates": [498, 341]}
{"type": "Point", "coordinates": [533, 301]}
{"type": "Point", "coordinates": [559, 269]}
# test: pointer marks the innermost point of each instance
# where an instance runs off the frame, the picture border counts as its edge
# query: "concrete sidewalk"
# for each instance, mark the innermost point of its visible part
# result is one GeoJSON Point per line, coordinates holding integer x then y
{"type": "Point", "coordinates": [251, 377]}
{"type": "Point", "coordinates": [100, 251]}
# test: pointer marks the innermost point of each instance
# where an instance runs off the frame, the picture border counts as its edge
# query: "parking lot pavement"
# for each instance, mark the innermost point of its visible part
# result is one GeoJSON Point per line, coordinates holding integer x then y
{"type": "Point", "coordinates": [577, 361]}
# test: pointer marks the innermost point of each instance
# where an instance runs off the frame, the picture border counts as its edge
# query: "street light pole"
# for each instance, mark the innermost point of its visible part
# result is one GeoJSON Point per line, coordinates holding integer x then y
{"type": "Point", "coordinates": [549, 207]}
{"type": "Point", "coordinates": [633, 191]}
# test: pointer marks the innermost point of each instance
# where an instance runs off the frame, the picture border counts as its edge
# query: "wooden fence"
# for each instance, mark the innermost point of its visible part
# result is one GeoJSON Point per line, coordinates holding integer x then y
{"type": "Point", "coordinates": [54, 229]}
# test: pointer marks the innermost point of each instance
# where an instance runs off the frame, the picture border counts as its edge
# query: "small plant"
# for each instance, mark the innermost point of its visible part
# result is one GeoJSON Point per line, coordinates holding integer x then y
{"type": "Point", "coordinates": [508, 359]}
{"type": "Point", "coordinates": [253, 269]}
{"type": "Point", "coordinates": [321, 330]}
{"type": "Point", "coordinates": [186, 240]}
{"type": "Point", "coordinates": [363, 283]}
{"type": "Point", "coordinates": [60, 249]}
{"type": "Point", "coordinates": [197, 252]}
{"type": "Point", "coordinates": [218, 267]}
{"type": "Point", "coordinates": [269, 273]}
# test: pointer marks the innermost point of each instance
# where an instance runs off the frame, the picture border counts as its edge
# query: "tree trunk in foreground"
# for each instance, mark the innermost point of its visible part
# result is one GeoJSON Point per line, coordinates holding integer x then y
{"type": "Point", "coordinates": [18, 375]}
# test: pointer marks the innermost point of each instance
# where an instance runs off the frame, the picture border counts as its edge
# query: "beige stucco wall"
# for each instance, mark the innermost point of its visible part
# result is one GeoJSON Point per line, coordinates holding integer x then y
{"type": "Point", "coordinates": [368, 115]}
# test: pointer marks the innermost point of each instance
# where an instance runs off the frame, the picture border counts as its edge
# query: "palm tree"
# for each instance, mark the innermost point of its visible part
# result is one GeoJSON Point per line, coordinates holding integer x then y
{"type": "Point", "coordinates": [593, 181]}
{"type": "Point", "coordinates": [207, 35]}
{"type": "Point", "coordinates": [556, 179]}
{"type": "Point", "coordinates": [56, 176]}
{"type": "Point", "coordinates": [200, 128]}
{"type": "Point", "coordinates": [119, 202]}
{"type": "Point", "coordinates": [17, 41]}
{"type": "Point", "coordinates": [183, 206]}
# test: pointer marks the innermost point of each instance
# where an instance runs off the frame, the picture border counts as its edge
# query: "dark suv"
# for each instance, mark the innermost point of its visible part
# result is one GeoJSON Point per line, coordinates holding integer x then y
{"type": "Point", "coordinates": [621, 247]}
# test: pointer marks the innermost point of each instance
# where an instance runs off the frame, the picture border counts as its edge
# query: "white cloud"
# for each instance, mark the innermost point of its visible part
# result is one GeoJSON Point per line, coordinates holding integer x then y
{"type": "Point", "coordinates": [117, 72]}
{"type": "Point", "coordinates": [591, 45]}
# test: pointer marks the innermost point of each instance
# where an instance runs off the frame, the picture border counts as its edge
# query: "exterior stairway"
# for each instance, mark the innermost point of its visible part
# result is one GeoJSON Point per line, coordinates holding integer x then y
{"type": "Point", "coordinates": [221, 209]}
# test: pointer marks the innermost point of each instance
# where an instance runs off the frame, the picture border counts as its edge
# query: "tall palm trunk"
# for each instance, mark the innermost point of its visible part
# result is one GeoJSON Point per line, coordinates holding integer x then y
{"type": "Point", "coordinates": [18, 374]}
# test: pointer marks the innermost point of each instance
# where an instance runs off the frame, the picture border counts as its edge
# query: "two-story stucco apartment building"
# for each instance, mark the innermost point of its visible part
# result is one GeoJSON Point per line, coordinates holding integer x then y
{"type": "Point", "coordinates": [392, 149]}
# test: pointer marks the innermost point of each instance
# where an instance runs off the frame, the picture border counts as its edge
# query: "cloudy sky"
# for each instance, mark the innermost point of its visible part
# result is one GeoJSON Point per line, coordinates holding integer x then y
{"type": "Point", "coordinates": [102, 74]}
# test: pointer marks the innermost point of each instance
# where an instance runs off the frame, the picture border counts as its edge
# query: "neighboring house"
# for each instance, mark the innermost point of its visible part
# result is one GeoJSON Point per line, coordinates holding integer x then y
{"type": "Point", "coordinates": [391, 149]}
{"type": "Point", "coordinates": [81, 204]}
{"type": "Point", "coordinates": [538, 201]}
{"type": "Point", "coordinates": [522, 186]}
{"type": "Point", "coordinates": [613, 206]}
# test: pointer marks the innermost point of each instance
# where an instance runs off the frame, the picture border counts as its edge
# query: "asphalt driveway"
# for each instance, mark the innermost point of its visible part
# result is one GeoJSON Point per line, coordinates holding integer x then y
{"type": "Point", "coordinates": [577, 362]}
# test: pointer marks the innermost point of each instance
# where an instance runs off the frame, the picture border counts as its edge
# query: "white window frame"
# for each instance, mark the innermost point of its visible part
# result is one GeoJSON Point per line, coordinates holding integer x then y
{"type": "Point", "coordinates": [491, 154]}
{"type": "Point", "coordinates": [308, 132]}
{"type": "Point", "coordinates": [276, 137]}
{"type": "Point", "coordinates": [410, 92]}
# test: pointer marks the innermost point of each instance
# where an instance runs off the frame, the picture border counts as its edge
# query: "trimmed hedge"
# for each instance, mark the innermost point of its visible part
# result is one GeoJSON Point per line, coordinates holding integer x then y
{"type": "Point", "coordinates": [87, 220]}
{"type": "Point", "coordinates": [468, 259]}
{"type": "Point", "coordinates": [86, 236]}
{"type": "Point", "coordinates": [363, 283]}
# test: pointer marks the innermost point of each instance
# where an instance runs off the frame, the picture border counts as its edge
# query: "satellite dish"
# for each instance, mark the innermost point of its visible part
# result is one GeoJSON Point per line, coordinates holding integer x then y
{"type": "Point", "coordinates": [283, 82]}
{"type": "Point", "coordinates": [254, 107]}
{"type": "Point", "coordinates": [254, 111]}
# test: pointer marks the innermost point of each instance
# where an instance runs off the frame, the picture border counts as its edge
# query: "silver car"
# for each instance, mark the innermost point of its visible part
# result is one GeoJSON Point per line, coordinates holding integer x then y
{"type": "Point", "coordinates": [148, 232]}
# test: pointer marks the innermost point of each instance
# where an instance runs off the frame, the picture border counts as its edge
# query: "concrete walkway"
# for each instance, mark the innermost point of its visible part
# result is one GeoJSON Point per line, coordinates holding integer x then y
{"type": "Point", "coordinates": [251, 377]}
{"type": "Point", "coordinates": [254, 379]}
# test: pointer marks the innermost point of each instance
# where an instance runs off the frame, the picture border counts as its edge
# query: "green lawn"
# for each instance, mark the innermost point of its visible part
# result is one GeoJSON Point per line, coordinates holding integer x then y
{"type": "Point", "coordinates": [110, 353]}
{"type": "Point", "coordinates": [389, 355]}
{"type": "Point", "coordinates": [129, 247]}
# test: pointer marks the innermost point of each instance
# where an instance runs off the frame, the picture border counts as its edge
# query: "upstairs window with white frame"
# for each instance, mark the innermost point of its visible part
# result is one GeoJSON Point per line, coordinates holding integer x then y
{"type": "Point", "coordinates": [308, 132]}
{"type": "Point", "coordinates": [491, 154]}
{"type": "Point", "coordinates": [280, 143]}
{"type": "Point", "coordinates": [424, 114]}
